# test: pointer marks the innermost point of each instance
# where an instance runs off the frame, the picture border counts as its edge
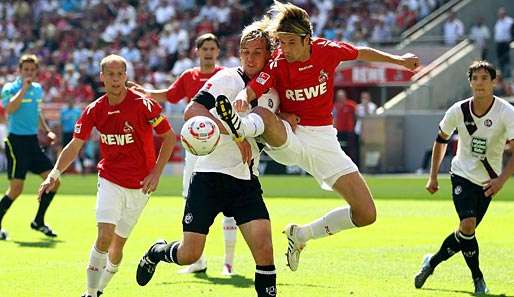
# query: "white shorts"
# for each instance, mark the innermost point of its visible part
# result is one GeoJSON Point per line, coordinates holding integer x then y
{"type": "Point", "coordinates": [119, 206]}
{"type": "Point", "coordinates": [316, 150]}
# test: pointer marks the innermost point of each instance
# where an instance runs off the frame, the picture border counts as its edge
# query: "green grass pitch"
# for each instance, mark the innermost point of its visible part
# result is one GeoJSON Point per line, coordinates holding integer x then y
{"type": "Point", "coordinates": [379, 260]}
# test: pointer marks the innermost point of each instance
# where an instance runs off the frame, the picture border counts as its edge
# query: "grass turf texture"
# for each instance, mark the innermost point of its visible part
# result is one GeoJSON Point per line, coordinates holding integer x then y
{"type": "Point", "coordinates": [379, 260]}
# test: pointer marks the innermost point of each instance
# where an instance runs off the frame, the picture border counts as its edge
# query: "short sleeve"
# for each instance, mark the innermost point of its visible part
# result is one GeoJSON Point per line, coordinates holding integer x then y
{"type": "Point", "coordinates": [343, 51]}
{"type": "Point", "coordinates": [6, 94]}
{"type": "Point", "coordinates": [152, 113]}
{"type": "Point", "coordinates": [85, 123]}
{"type": "Point", "coordinates": [508, 119]}
{"type": "Point", "coordinates": [449, 122]}
{"type": "Point", "coordinates": [265, 80]}
{"type": "Point", "coordinates": [177, 90]}
{"type": "Point", "coordinates": [226, 82]}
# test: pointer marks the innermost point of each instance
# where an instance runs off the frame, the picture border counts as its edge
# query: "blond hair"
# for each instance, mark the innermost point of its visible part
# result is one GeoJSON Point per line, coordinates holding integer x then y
{"type": "Point", "coordinates": [112, 59]}
{"type": "Point", "coordinates": [257, 29]}
{"type": "Point", "coordinates": [289, 18]}
{"type": "Point", "coordinates": [28, 58]}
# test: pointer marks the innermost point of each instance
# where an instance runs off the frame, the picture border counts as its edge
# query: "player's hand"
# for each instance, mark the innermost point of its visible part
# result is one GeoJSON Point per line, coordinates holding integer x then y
{"type": "Point", "coordinates": [432, 185]}
{"type": "Point", "coordinates": [135, 86]}
{"type": "Point", "coordinates": [410, 61]}
{"type": "Point", "coordinates": [246, 151]}
{"type": "Point", "coordinates": [291, 118]}
{"type": "Point", "coordinates": [46, 186]}
{"type": "Point", "coordinates": [26, 83]}
{"type": "Point", "coordinates": [51, 135]}
{"type": "Point", "coordinates": [493, 186]}
{"type": "Point", "coordinates": [149, 184]}
{"type": "Point", "coordinates": [241, 105]}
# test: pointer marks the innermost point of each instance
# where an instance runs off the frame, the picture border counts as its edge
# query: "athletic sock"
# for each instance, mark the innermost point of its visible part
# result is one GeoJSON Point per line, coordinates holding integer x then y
{"type": "Point", "coordinates": [450, 247]}
{"type": "Point", "coordinates": [334, 221]}
{"type": "Point", "coordinates": [469, 247]}
{"type": "Point", "coordinates": [46, 199]}
{"type": "Point", "coordinates": [265, 281]}
{"type": "Point", "coordinates": [5, 203]}
{"type": "Point", "coordinates": [107, 274]}
{"type": "Point", "coordinates": [230, 236]}
{"type": "Point", "coordinates": [95, 267]}
{"type": "Point", "coordinates": [165, 252]}
{"type": "Point", "coordinates": [252, 125]}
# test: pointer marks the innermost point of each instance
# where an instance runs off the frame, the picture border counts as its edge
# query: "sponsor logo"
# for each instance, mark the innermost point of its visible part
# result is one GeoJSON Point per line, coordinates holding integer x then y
{"type": "Point", "coordinates": [77, 129]}
{"type": "Point", "coordinates": [127, 128]}
{"type": "Point", "coordinates": [478, 145]}
{"type": "Point", "coordinates": [307, 93]}
{"type": "Point", "coordinates": [488, 123]}
{"type": "Point", "coordinates": [263, 78]}
{"type": "Point", "coordinates": [116, 139]}
{"type": "Point", "coordinates": [188, 218]}
{"type": "Point", "coordinates": [305, 68]}
{"type": "Point", "coordinates": [323, 76]}
{"type": "Point", "coordinates": [457, 190]}
{"type": "Point", "coordinates": [113, 112]}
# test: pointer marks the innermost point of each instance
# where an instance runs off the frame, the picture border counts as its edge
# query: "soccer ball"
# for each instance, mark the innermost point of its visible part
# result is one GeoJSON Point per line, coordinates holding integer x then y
{"type": "Point", "coordinates": [200, 135]}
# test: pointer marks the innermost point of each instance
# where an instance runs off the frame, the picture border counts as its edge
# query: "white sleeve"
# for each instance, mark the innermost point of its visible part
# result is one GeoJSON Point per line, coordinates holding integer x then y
{"type": "Point", "coordinates": [508, 119]}
{"type": "Point", "coordinates": [449, 123]}
{"type": "Point", "coordinates": [226, 82]}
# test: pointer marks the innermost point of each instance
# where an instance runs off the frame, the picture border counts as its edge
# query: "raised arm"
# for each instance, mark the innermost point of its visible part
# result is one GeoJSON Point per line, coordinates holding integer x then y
{"type": "Point", "coordinates": [409, 61]}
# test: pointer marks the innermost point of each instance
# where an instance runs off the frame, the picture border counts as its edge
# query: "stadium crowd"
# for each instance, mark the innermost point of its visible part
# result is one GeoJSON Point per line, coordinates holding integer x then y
{"type": "Point", "coordinates": [156, 36]}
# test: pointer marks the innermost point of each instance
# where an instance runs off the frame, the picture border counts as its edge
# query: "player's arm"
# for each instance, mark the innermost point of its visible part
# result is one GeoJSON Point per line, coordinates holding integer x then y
{"type": "Point", "coordinates": [367, 54]}
{"type": "Point", "coordinates": [149, 183]}
{"type": "Point", "coordinates": [494, 185]}
{"type": "Point", "coordinates": [15, 101]}
{"type": "Point", "coordinates": [42, 122]}
{"type": "Point", "coordinates": [200, 106]}
{"type": "Point", "coordinates": [66, 157]}
{"type": "Point", "coordinates": [438, 151]}
{"type": "Point", "coordinates": [158, 95]}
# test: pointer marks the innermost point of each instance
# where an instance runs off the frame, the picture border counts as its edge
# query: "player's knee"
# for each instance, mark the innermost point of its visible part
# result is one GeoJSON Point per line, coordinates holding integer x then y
{"type": "Point", "coordinates": [267, 116]}
{"type": "Point", "coordinates": [103, 241]}
{"type": "Point", "coordinates": [190, 255]}
{"type": "Point", "coordinates": [468, 225]}
{"type": "Point", "coordinates": [15, 191]}
{"type": "Point", "coordinates": [365, 217]}
{"type": "Point", "coordinates": [264, 255]}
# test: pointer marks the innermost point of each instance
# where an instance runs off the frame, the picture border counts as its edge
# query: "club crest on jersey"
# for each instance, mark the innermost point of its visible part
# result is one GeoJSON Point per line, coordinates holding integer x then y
{"type": "Point", "coordinates": [263, 78]}
{"type": "Point", "coordinates": [127, 128]}
{"type": "Point", "coordinates": [323, 76]}
{"type": "Point", "coordinates": [488, 123]}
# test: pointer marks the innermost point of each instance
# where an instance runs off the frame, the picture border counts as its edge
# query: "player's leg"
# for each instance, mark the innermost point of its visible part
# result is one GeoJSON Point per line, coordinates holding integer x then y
{"type": "Point", "coordinates": [257, 234]}
{"type": "Point", "coordinates": [17, 167]}
{"type": "Point", "coordinates": [14, 191]}
{"type": "Point", "coordinates": [40, 164]}
{"type": "Point", "coordinates": [189, 164]}
{"type": "Point", "coordinates": [113, 261]}
{"type": "Point", "coordinates": [98, 258]}
{"type": "Point", "coordinates": [184, 252]}
{"type": "Point", "coordinates": [230, 237]}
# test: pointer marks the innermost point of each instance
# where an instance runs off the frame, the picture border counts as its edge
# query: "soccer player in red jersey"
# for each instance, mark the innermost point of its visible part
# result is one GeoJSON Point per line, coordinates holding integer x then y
{"type": "Point", "coordinates": [302, 72]}
{"type": "Point", "coordinates": [186, 87]}
{"type": "Point", "coordinates": [129, 170]}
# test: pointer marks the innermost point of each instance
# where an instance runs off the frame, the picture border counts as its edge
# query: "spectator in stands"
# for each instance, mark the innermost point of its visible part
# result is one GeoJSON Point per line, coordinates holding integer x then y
{"type": "Point", "coordinates": [344, 120]}
{"type": "Point", "coordinates": [502, 38]}
{"type": "Point", "coordinates": [453, 29]}
{"type": "Point", "coordinates": [479, 33]}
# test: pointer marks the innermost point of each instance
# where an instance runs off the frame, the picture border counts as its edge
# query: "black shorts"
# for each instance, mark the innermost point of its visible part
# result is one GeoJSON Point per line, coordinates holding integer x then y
{"type": "Point", "coordinates": [469, 198]}
{"type": "Point", "coordinates": [211, 193]}
{"type": "Point", "coordinates": [66, 137]}
{"type": "Point", "coordinates": [24, 154]}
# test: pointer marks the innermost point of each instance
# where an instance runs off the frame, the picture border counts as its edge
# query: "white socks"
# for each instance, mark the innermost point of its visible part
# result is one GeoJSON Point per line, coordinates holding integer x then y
{"type": "Point", "coordinates": [252, 125]}
{"type": "Point", "coordinates": [94, 270]}
{"type": "Point", "coordinates": [334, 221]}
{"type": "Point", "coordinates": [230, 235]}
{"type": "Point", "coordinates": [107, 274]}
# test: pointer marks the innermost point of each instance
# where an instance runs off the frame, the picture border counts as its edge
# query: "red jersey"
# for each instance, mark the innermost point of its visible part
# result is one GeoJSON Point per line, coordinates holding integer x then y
{"type": "Point", "coordinates": [126, 138]}
{"type": "Point", "coordinates": [345, 116]}
{"type": "Point", "coordinates": [188, 84]}
{"type": "Point", "coordinates": [306, 88]}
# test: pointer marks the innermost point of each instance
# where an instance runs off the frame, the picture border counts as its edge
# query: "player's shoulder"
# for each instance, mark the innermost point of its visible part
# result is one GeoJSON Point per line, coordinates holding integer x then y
{"type": "Point", "coordinates": [324, 43]}
{"type": "Point", "coordinates": [457, 106]}
{"type": "Point", "coordinates": [140, 100]}
{"type": "Point", "coordinates": [8, 86]}
{"type": "Point", "coordinates": [504, 105]}
{"type": "Point", "coordinates": [96, 104]}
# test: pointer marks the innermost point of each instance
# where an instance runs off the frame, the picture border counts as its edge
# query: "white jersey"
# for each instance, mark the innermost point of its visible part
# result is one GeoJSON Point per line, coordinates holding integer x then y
{"type": "Point", "coordinates": [490, 132]}
{"type": "Point", "coordinates": [226, 158]}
